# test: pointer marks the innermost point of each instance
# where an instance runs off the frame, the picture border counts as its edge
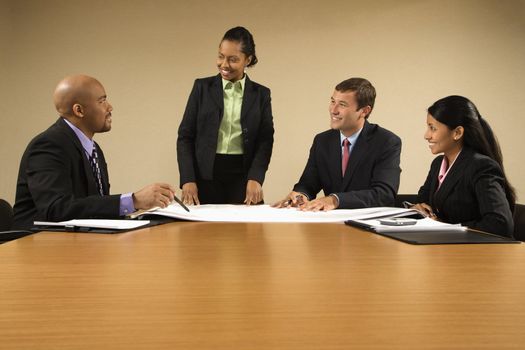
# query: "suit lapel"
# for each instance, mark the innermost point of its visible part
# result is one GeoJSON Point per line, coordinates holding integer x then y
{"type": "Point", "coordinates": [454, 175]}
{"type": "Point", "coordinates": [433, 184]}
{"type": "Point", "coordinates": [335, 157]}
{"type": "Point", "coordinates": [248, 99]}
{"type": "Point", "coordinates": [216, 93]}
{"type": "Point", "coordinates": [358, 152]}
{"type": "Point", "coordinates": [88, 172]}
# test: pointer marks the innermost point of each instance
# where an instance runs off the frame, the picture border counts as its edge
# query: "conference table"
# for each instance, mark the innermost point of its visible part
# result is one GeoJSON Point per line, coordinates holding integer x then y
{"type": "Point", "coordinates": [197, 285]}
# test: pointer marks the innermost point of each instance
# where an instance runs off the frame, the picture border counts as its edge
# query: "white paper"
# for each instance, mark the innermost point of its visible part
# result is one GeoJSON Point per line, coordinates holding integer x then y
{"type": "Point", "coordinates": [425, 224]}
{"type": "Point", "coordinates": [265, 213]}
{"type": "Point", "coordinates": [96, 223]}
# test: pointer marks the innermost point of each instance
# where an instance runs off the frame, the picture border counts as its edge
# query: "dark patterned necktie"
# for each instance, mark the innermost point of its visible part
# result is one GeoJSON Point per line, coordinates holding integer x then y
{"type": "Point", "coordinates": [96, 170]}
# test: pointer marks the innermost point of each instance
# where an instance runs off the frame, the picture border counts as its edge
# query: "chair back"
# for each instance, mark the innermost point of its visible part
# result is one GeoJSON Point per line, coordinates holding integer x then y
{"type": "Point", "coordinates": [6, 215]}
{"type": "Point", "coordinates": [519, 222]}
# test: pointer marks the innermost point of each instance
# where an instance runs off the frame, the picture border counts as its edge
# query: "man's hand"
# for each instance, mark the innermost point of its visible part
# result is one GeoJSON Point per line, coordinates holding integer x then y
{"type": "Point", "coordinates": [324, 204]}
{"type": "Point", "coordinates": [190, 194]}
{"type": "Point", "coordinates": [154, 195]}
{"type": "Point", "coordinates": [293, 199]}
{"type": "Point", "coordinates": [254, 192]}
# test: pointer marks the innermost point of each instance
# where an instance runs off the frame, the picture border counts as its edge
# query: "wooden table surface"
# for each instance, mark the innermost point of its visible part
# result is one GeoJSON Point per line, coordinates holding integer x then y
{"type": "Point", "coordinates": [194, 285]}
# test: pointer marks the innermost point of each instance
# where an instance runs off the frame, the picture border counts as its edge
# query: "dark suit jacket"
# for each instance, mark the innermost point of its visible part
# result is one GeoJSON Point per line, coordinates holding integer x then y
{"type": "Point", "coordinates": [199, 129]}
{"type": "Point", "coordinates": [56, 183]}
{"type": "Point", "coordinates": [372, 175]}
{"type": "Point", "coordinates": [472, 194]}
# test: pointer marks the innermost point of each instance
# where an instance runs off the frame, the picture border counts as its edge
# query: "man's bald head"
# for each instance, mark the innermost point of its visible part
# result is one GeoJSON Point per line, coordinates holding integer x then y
{"type": "Point", "coordinates": [82, 100]}
{"type": "Point", "coordinates": [72, 90]}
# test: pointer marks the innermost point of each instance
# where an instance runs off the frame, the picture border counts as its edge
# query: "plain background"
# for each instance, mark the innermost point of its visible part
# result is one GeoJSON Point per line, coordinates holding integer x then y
{"type": "Point", "coordinates": [148, 53]}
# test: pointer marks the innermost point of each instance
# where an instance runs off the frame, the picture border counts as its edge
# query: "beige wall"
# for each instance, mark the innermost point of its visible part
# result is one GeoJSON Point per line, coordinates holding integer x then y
{"type": "Point", "coordinates": [147, 54]}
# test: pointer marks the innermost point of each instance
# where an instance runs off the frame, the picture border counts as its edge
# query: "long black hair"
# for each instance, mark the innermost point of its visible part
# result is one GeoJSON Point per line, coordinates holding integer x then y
{"type": "Point", "coordinates": [245, 38]}
{"type": "Point", "coordinates": [454, 111]}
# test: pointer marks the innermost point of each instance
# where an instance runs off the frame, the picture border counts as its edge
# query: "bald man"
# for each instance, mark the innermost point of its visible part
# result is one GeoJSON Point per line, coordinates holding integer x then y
{"type": "Point", "coordinates": [63, 173]}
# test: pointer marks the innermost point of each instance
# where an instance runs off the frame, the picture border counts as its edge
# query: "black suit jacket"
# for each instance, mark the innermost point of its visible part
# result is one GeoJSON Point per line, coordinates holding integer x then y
{"type": "Point", "coordinates": [56, 183]}
{"type": "Point", "coordinates": [372, 175]}
{"type": "Point", "coordinates": [472, 194]}
{"type": "Point", "coordinates": [199, 129]}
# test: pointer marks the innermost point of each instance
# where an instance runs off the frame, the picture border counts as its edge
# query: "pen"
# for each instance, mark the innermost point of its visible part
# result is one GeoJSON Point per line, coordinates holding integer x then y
{"type": "Point", "coordinates": [180, 202]}
{"type": "Point", "coordinates": [407, 204]}
{"type": "Point", "coordinates": [176, 199]}
{"type": "Point", "coordinates": [298, 198]}
{"type": "Point", "coordinates": [142, 212]}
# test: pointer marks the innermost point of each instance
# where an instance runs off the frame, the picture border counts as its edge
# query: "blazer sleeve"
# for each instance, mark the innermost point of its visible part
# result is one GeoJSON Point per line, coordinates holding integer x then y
{"type": "Point", "coordinates": [186, 137]}
{"type": "Point", "coordinates": [52, 186]}
{"type": "Point", "coordinates": [310, 183]}
{"type": "Point", "coordinates": [384, 181]}
{"type": "Point", "coordinates": [264, 142]}
{"type": "Point", "coordinates": [494, 209]}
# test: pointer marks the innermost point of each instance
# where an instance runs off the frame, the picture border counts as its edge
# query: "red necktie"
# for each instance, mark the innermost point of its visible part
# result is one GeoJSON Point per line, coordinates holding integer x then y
{"type": "Point", "coordinates": [346, 155]}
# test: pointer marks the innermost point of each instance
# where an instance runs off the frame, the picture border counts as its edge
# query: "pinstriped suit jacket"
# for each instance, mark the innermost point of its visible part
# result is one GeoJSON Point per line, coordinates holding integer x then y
{"type": "Point", "coordinates": [472, 194]}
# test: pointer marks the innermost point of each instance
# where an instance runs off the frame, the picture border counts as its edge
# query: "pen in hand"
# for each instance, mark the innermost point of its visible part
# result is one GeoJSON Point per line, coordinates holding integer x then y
{"type": "Point", "coordinates": [180, 203]}
{"type": "Point", "coordinates": [146, 211]}
{"type": "Point", "coordinates": [298, 201]}
{"type": "Point", "coordinates": [175, 199]}
{"type": "Point", "coordinates": [425, 209]}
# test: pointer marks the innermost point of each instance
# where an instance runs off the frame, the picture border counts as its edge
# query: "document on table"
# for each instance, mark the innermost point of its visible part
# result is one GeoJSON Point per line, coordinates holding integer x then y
{"type": "Point", "coordinates": [96, 223]}
{"type": "Point", "coordinates": [265, 213]}
{"type": "Point", "coordinates": [421, 225]}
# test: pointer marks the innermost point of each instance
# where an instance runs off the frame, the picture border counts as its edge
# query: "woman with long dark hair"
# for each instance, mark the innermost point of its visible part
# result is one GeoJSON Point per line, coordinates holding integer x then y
{"type": "Point", "coordinates": [467, 183]}
{"type": "Point", "coordinates": [226, 135]}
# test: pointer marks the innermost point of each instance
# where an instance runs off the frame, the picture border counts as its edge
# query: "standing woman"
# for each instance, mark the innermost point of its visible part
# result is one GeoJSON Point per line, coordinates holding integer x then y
{"type": "Point", "coordinates": [226, 135]}
{"type": "Point", "coordinates": [467, 184]}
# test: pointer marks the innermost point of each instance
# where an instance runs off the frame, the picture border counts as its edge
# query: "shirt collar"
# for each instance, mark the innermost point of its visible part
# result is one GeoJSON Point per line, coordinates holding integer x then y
{"type": "Point", "coordinates": [445, 168]}
{"type": "Point", "coordinates": [86, 142]}
{"type": "Point", "coordinates": [241, 82]}
{"type": "Point", "coordinates": [352, 138]}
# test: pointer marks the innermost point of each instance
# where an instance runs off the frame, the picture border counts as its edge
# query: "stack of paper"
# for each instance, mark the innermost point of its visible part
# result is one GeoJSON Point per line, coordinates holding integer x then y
{"type": "Point", "coordinates": [96, 223]}
{"type": "Point", "coordinates": [265, 213]}
{"type": "Point", "coordinates": [426, 224]}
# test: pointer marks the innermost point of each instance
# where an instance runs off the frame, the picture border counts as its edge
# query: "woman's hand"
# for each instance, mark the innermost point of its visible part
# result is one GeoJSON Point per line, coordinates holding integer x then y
{"type": "Point", "coordinates": [425, 209]}
{"type": "Point", "coordinates": [190, 193]}
{"type": "Point", "coordinates": [254, 193]}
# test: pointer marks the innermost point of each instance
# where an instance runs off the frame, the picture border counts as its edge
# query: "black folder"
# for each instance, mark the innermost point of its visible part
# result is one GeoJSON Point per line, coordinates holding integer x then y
{"type": "Point", "coordinates": [443, 237]}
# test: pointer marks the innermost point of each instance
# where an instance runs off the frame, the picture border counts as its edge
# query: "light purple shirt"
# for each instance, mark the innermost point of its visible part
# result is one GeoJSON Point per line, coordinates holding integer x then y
{"type": "Point", "coordinates": [126, 200]}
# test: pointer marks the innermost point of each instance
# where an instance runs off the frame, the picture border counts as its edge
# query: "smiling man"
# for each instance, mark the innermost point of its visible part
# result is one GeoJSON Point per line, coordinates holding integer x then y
{"type": "Point", "coordinates": [356, 163]}
{"type": "Point", "coordinates": [63, 173]}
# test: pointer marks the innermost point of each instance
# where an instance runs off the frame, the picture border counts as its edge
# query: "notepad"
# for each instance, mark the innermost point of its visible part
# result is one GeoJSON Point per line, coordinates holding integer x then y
{"type": "Point", "coordinates": [422, 225]}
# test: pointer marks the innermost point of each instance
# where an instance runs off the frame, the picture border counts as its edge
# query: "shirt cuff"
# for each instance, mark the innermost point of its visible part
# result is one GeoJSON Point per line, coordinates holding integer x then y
{"type": "Point", "coordinates": [126, 204]}
{"type": "Point", "coordinates": [337, 199]}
